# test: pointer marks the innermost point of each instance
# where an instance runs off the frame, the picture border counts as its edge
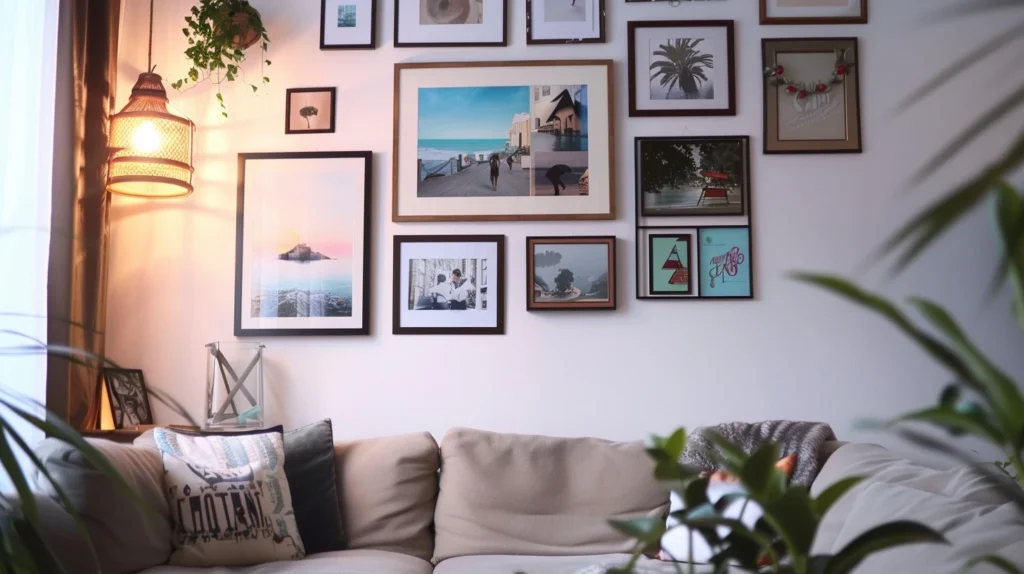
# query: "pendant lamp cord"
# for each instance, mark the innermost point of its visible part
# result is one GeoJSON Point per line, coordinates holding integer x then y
{"type": "Point", "coordinates": [149, 57]}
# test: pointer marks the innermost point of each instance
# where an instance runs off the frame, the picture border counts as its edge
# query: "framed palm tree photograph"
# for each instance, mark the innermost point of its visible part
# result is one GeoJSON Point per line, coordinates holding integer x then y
{"type": "Point", "coordinates": [681, 68]}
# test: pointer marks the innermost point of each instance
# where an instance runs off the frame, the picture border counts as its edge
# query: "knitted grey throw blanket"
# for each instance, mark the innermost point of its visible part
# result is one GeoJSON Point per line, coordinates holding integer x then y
{"type": "Point", "coordinates": [803, 438]}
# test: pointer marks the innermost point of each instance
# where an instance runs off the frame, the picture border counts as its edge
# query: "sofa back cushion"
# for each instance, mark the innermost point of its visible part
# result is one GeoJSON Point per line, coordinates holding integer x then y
{"type": "Point", "coordinates": [388, 489]}
{"type": "Point", "coordinates": [127, 538]}
{"type": "Point", "coordinates": [536, 495]}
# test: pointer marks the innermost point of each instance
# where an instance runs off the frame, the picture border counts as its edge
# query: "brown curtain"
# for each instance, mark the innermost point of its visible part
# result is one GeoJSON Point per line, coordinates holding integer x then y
{"type": "Point", "coordinates": [78, 270]}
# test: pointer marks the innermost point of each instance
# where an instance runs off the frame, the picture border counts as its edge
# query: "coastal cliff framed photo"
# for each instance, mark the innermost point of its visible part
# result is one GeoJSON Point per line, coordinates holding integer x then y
{"type": "Point", "coordinates": [814, 12]}
{"type": "Point", "coordinates": [450, 23]}
{"type": "Point", "coordinates": [811, 95]}
{"type": "Point", "coordinates": [570, 273]}
{"type": "Point", "coordinates": [302, 251]}
{"type": "Point", "coordinates": [681, 68]}
{"type": "Point", "coordinates": [503, 141]}
{"type": "Point", "coordinates": [449, 285]}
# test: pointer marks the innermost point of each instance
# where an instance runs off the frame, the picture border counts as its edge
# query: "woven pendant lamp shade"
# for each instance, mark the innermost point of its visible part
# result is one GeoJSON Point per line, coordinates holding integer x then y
{"type": "Point", "coordinates": [151, 148]}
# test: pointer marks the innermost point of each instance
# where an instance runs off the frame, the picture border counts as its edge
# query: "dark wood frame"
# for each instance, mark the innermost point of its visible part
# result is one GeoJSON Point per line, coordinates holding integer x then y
{"type": "Point", "coordinates": [745, 140]}
{"type": "Point", "coordinates": [397, 298]}
{"type": "Point", "coordinates": [367, 157]}
{"type": "Point", "coordinates": [729, 26]}
{"type": "Point", "coordinates": [529, 28]}
{"type": "Point", "coordinates": [504, 34]}
{"type": "Point", "coordinates": [851, 84]}
{"type": "Point", "coordinates": [607, 240]}
{"type": "Point", "coordinates": [107, 371]}
{"type": "Point", "coordinates": [770, 21]}
{"type": "Point", "coordinates": [395, 217]}
{"type": "Point", "coordinates": [750, 251]}
{"type": "Point", "coordinates": [373, 30]}
{"type": "Point", "coordinates": [690, 238]}
{"type": "Point", "coordinates": [288, 109]}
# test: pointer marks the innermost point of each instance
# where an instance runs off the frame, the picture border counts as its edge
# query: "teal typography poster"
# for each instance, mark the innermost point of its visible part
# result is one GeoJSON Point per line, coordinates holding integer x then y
{"type": "Point", "coordinates": [725, 262]}
{"type": "Point", "coordinates": [670, 267]}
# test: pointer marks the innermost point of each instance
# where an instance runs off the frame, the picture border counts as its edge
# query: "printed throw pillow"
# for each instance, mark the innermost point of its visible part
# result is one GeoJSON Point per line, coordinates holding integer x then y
{"type": "Point", "coordinates": [229, 498]}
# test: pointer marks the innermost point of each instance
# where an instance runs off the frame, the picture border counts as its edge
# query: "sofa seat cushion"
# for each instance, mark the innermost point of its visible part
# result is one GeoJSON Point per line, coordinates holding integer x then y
{"type": "Point", "coordinates": [540, 496]}
{"type": "Point", "coordinates": [506, 564]}
{"type": "Point", "coordinates": [339, 562]}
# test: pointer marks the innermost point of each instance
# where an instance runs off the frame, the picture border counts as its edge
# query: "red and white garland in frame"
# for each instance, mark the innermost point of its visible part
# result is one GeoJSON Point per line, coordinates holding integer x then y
{"type": "Point", "coordinates": [800, 90]}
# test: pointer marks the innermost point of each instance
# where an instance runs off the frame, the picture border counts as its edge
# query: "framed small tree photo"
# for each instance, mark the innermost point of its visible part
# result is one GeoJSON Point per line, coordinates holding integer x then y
{"type": "Point", "coordinates": [309, 110]}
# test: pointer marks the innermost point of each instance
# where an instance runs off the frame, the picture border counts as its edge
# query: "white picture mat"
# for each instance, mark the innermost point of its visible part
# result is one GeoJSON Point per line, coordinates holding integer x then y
{"type": "Point", "coordinates": [541, 29]}
{"type": "Point", "coordinates": [450, 319]}
{"type": "Point", "coordinates": [410, 31]}
{"type": "Point", "coordinates": [716, 42]}
{"type": "Point", "coordinates": [599, 141]}
{"type": "Point", "coordinates": [360, 34]}
{"type": "Point", "coordinates": [779, 9]}
{"type": "Point", "coordinates": [644, 262]}
{"type": "Point", "coordinates": [283, 176]}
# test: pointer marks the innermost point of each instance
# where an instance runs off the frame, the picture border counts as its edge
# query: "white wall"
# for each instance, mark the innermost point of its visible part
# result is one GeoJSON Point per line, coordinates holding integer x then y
{"type": "Point", "coordinates": [650, 366]}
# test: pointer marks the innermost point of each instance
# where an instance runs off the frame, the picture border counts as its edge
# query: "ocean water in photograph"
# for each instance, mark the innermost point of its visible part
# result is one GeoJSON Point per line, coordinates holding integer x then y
{"type": "Point", "coordinates": [302, 288]}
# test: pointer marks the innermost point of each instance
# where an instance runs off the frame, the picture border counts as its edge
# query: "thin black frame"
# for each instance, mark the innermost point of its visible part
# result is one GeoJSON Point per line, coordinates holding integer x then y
{"type": "Point", "coordinates": [504, 34]}
{"type": "Point", "coordinates": [650, 266]}
{"type": "Point", "coordinates": [729, 26]}
{"type": "Point", "coordinates": [396, 314]}
{"type": "Point", "coordinates": [766, 20]}
{"type": "Point", "coordinates": [530, 41]}
{"type": "Point", "coordinates": [745, 140]}
{"type": "Point", "coordinates": [613, 289]}
{"type": "Point", "coordinates": [107, 371]}
{"type": "Point", "coordinates": [367, 157]}
{"type": "Point", "coordinates": [288, 109]}
{"type": "Point", "coordinates": [373, 30]}
{"type": "Point", "coordinates": [700, 268]}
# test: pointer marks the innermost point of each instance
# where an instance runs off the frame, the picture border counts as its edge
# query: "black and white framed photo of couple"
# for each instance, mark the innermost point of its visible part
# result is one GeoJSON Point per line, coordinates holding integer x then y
{"type": "Point", "coordinates": [129, 400]}
{"type": "Point", "coordinates": [681, 68]}
{"type": "Point", "coordinates": [449, 285]}
{"type": "Point", "coordinates": [302, 252]}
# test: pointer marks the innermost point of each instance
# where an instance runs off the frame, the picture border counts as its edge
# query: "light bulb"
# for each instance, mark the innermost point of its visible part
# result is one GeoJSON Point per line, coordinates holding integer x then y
{"type": "Point", "coordinates": [146, 138]}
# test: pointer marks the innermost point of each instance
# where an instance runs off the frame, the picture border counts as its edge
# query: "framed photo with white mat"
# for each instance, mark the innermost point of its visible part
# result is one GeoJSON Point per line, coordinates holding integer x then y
{"type": "Point", "coordinates": [681, 68]}
{"type": "Point", "coordinates": [450, 23]}
{"type": "Point", "coordinates": [348, 24]}
{"type": "Point", "coordinates": [565, 21]}
{"type": "Point", "coordinates": [814, 12]}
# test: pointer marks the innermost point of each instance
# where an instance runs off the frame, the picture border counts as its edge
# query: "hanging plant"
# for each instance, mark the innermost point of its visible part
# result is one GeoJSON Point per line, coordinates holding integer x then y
{"type": "Point", "coordinates": [218, 33]}
{"type": "Point", "coordinates": [800, 90]}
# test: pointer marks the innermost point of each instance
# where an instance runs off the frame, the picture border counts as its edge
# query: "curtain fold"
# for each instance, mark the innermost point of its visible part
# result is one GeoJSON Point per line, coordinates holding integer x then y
{"type": "Point", "coordinates": [83, 279]}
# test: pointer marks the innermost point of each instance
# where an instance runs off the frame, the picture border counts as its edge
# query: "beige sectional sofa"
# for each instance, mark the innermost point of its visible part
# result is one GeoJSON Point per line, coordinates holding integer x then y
{"type": "Point", "coordinates": [488, 503]}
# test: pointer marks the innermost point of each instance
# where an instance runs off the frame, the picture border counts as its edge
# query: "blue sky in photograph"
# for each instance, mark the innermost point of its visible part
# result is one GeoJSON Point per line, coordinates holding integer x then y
{"type": "Point", "coordinates": [470, 113]}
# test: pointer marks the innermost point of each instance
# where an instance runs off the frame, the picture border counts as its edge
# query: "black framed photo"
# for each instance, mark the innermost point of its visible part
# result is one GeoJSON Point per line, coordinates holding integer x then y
{"type": "Point", "coordinates": [693, 176]}
{"type": "Point", "coordinates": [670, 263]}
{"type": "Point", "coordinates": [302, 252]}
{"type": "Point", "coordinates": [348, 24]}
{"type": "Point", "coordinates": [129, 400]}
{"type": "Point", "coordinates": [681, 68]}
{"type": "Point", "coordinates": [725, 262]}
{"type": "Point", "coordinates": [450, 23]}
{"type": "Point", "coordinates": [449, 285]}
{"type": "Point", "coordinates": [565, 21]}
{"type": "Point", "coordinates": [814, 12]}
{"type": "Point", "coordinates": [309, 110]}
{"type": "Point", "coordinates": [570, 273]}
{"type": "Point", "coordinates": [696, 263]}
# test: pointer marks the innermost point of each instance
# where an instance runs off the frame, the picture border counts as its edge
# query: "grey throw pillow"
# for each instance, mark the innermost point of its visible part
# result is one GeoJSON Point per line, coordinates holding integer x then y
{"type": "Point", "coordinates": [310, 468]}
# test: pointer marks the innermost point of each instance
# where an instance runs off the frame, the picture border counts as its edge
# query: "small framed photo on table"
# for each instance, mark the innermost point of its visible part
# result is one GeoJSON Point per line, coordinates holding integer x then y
{"type": "Point", "coordinates": [811, 95]}
{"type": "Point", "coordinates": [570, 273]}
{"type": "Point", "coordinates": [565, 21]}
{"type": "Point", "coordinates": [129, 401]}
{"type": "Point", "coordinates": [681, 68]}
{"type": "Point", "coordinates": [348, 24]}
{"type": "Point", "coordinates": [449, 285]}
{"type": "Point", "coordinates": [450, 23]}
{"type": "Point", "coordinates": [309, 110]}
{"type": "Point", "coordinates": [814, 12]}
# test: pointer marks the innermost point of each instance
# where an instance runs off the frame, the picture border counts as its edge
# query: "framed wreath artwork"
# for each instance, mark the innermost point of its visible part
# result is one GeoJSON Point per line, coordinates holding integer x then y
{"type": "Point", "coordinates": [811, 95]}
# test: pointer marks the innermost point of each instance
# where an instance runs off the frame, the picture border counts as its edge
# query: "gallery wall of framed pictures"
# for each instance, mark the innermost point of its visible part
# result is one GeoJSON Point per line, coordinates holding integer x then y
{"type": "Point", "coordinates": [500, 141]}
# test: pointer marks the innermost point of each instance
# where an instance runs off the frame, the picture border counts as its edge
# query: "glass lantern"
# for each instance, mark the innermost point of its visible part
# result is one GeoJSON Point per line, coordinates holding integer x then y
{"type": "Point", "coordinates": [234, 385]}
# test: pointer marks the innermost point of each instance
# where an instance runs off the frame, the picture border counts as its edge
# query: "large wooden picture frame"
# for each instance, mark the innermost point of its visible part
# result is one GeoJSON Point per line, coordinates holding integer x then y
{"type": "Point", "coordinates": [302, 251]}
{"type": "Point", "coordinates": [503, 141]}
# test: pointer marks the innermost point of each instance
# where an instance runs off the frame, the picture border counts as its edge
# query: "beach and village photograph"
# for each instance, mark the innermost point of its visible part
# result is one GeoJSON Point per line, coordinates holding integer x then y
{"type": "Point", "coordinates": [494, 141]}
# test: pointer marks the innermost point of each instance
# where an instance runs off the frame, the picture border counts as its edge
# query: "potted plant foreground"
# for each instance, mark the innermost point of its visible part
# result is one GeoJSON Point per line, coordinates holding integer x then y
{"type": "Point", "coordinates": [218, 33]}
